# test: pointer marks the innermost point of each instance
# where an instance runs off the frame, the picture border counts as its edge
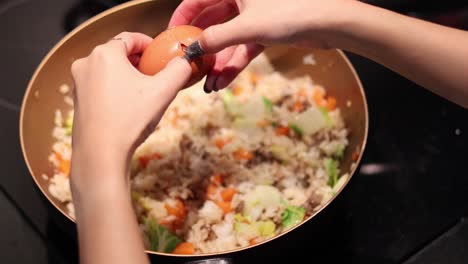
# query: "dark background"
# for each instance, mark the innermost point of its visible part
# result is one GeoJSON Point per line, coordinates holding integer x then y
{"type": "Point", "coordinates": [407, 203]}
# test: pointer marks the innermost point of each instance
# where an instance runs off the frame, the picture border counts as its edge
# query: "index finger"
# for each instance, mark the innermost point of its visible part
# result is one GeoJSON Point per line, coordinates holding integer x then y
{"type": "Point", "coordinates": [188, 10]}
{"type": "Point", "coordinates": [130, 43]}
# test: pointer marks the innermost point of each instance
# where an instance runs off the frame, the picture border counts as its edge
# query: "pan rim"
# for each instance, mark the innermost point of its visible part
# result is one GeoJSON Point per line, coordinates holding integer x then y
{"type": "Point", "coordinates": [118, 8]}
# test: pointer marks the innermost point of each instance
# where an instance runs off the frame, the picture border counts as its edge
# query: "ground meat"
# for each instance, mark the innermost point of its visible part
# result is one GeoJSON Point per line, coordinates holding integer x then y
{"type": "Point", "coordinates": [283, 100]}
{"type": "Point", "coordinates": [312, 203]}
{"type": "Point", "coordinates": [185, 143]}
{"type": "Point", "coordinates": [210, 129]}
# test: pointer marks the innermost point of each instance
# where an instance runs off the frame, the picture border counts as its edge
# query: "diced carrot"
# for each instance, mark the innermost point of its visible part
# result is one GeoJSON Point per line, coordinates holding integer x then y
{"type": "Point", "coordinates": [64, 167]}
{"type": "Point", "coordinates": [156, 156]}
{"type": "Point", "coordinates": [254, 78]}
{"type": "Point", "coordinates": [211, 191]}
{"type": "Point", "coordinates": [64, 164]}
{"type": "Point", "coordinates": [221, 142]}
{"type": "Point", "coordinates": [227, 194]}
{"type": "Point", "coordinates": [217, 179]}
{"type": "Point", "coordinates": [252, 242]}
{"type": "Point", "coordinates": [169, 224]}
{"type": "Point", "coordinates": [226, 206]}
{"type": "Point", "coordinates": [319, 97]}
{"type": "Point", "coordinates": [355, 156]}
{"type": "Point", "coordinates": [178, 210]}
{"type": "Point", "coordinates": [237, 90]}
{"type": "Point", "coordinates": [282, 131]}
{"type": "Point", "coordinates": [242, 154]}
{"type": "Point", "coordinates": [144, 160]}
{"type": "Point", "coordinates": [298, 106]}
{"type": "Point", "coordinates": [331, 103]}
{"type": "Point", "coordinates": [185, 248]}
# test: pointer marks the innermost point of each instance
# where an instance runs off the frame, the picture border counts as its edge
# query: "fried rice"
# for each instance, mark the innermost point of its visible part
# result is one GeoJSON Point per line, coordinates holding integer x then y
{"type": "Point", "coordinates": [229, 169]}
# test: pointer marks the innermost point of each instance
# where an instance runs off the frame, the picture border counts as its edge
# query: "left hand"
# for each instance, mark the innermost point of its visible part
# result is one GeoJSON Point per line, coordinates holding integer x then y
{"type": "Point", "coordinates": [116, 106]}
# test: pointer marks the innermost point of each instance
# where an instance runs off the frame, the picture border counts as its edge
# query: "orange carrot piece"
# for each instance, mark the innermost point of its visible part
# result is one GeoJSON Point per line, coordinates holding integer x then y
{"type": "Point", "coordinates": [64, 167]}
{"type": "Point", "coordinates": [331, 103]}
{"type": "Point", "coordinates": [221, 142]}
{"type": "Point", "coordinates": [156, 156]}
{"type": "Point", "coordinates": [252, 241]}
{"type": "Point", "coordinates": [211, 191]}
{"type": "Point", "coordinates": [355, 156]}
{"type": "Point", "coordinates": [225, 206]}
{"type": "Point", "coordinates": [242, 154]}
{"type": "Point", "coordinates": [144, 160]}
{"type": "Point", "coordinates": [237, 90]}
{"type": "Point", "coordinates": [227, 194]}
{"type": "Point", "coordinates": [298, 106]}
{"type": "Point", "coordinates": [184, 248]}
{"type": "Point", "coordinates": [319, 97]}
{"type": "Point", "coordinates": [282, 131]}
{"type": "Point", "coordinates": [178, 210]}
{"type": "Point", "coordinates": [254, 78]}
{"type": "Point", "coordinates": [217, 179]}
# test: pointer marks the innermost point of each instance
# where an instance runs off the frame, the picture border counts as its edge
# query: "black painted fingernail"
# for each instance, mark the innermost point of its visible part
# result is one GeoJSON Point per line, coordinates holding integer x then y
{"type": "Point", "coordinates": [215, 84]}
{"type": "Point", "coordinates": [206, 89]}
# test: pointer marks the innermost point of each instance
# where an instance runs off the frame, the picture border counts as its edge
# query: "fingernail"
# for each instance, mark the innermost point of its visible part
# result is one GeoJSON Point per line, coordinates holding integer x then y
{"type": "Point", "coordinates": [206, 89]}
{"type": "Point", "coordinates": [221, 82]}
{"type": "Point", "coordinates": [215, 84]}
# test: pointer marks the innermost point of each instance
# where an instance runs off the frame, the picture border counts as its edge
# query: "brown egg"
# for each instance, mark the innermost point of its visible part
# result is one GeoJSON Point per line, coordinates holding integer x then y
{"type": "Point", "coordinates": [170, 44]}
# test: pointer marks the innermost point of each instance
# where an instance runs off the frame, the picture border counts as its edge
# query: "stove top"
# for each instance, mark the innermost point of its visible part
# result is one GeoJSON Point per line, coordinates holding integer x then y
{"type": "Point", "coordinates": [406, 204]}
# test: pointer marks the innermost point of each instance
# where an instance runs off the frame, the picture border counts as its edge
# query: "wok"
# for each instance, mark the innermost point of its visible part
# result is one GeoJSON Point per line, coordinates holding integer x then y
{"type": "Point", "coordinates": [332, 70]}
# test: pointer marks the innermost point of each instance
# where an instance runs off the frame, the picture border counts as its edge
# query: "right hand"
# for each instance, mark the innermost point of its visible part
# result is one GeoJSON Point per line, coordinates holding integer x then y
{"type": "Point", "coordinates": [254, 24]}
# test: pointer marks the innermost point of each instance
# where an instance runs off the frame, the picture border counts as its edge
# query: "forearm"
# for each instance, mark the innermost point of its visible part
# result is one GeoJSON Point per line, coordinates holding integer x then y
{"type": "Point", "coordinates": [107, 227]}
{"type": "Point", "coordinates": [434, 56]}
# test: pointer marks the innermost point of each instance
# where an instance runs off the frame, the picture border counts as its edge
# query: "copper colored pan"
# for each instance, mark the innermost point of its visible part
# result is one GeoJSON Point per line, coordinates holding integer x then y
{"type": "Point", "coordinates": [332, 70]}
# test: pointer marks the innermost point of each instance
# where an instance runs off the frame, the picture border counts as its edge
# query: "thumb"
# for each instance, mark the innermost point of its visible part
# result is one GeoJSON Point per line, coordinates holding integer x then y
{"type": "Point", "coordinates": [233, 32]}
{"type": "Point", "coordinates": [172, 78]}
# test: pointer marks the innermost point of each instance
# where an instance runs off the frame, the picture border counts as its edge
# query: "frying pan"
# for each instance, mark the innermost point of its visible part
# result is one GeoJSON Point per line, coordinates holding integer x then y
{"type": "Point", "coordinates": [331, 69]}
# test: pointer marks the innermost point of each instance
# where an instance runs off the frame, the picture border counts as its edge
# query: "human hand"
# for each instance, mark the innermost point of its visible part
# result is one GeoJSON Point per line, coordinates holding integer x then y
{"type": "Point", "coordinates": [117, 107]}
{"type": "Point", "coordinates": [237, 30]}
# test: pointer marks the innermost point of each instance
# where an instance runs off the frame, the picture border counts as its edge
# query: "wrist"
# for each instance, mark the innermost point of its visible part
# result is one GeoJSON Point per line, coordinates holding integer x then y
{"type": "Point", "coordinates": [360, 28]}
{"type": "Point", "coordinates": [95, 170]}
{"type": "Point", "coordinates": [99, 192]}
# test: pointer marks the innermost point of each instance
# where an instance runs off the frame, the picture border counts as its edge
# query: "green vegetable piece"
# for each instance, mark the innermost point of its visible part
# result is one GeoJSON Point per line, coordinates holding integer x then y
{"type": "Point", "coordinates": [230, 103]}
{"type": "Point", "coordinates": [327, 117]}
{"type": "Point", "coordinates": [68, 125]}
{"type": "Point", "coordinates": [268, 104]}
{"type": "Point", "coordinates": [296, 130]}
{"type": "Point", "coordinates": [292, 216]}
{"type": "Point", "coordinates": [331, 167]}
{"type": "Point", "coordinates": [266, 228]}
{"type": "Point", "coordinates": [339, 152]}
{"type": "Point", "coordinates": [246, 229]}
{"type": "Point", "coordinates": [161, 240]}
{"type": "Point", "coordinates": [243, 226]}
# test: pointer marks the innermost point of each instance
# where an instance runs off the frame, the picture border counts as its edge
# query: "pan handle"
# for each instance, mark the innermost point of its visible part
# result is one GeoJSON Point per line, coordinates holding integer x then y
{"type": "Point", "coordinates": [212, 261]}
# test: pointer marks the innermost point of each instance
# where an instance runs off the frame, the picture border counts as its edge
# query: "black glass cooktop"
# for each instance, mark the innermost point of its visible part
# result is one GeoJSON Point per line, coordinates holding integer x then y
{"type": "Point", "coordinates": [406, 204]}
